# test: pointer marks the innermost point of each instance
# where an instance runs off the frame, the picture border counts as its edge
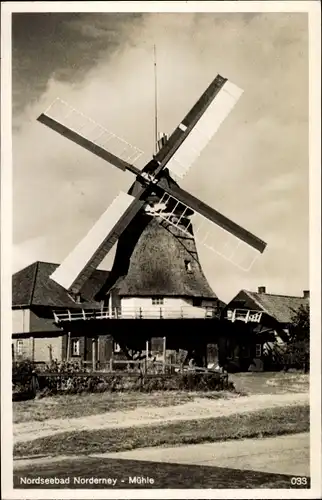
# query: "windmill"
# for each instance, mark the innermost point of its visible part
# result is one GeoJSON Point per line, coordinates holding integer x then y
{"type": "Point", "coordinates": [154, 192]}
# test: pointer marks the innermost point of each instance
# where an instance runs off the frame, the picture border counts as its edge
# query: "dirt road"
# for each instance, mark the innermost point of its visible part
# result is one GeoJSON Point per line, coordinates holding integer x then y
{"type": "Point", "coordinates": [198, 409]}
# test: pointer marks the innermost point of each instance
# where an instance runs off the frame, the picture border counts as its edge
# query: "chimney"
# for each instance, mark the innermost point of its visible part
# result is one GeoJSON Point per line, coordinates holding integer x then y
{"type": "Point", "coordinates": [262, 289]}
{"type": "Point", "coordinates": [306, 294]}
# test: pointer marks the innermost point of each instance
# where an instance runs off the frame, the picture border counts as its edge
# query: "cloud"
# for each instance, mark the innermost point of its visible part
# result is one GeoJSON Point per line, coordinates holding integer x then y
{"type": "Point", "coordinates": [255, 170]}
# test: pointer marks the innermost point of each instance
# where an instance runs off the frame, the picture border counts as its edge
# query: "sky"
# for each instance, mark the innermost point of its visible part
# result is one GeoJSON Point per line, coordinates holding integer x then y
{"type": "Point", "coordinates": [255, 170]}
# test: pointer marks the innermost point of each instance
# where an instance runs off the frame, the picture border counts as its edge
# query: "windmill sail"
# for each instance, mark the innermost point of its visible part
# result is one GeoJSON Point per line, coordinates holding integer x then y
{"type": "Point", "coordinates": [181, 133]}
{"type": "Point", "coordinates": [204, 130]}
{"type": "Point", "coordinates": [178, 153]}
{"type": "Point", "coordinates": [208, 233]}
{"type": "Point", "coordinates": [213, 215]}
{"type": "Point", "coordinates": [92, 136]}
{"type": "Point", "coordinates": [89, 253]}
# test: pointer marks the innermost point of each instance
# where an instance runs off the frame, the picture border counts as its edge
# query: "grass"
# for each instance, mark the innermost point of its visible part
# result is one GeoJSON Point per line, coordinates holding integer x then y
{"type": "Point", "coordinates": [269, 422]}
{"type": "Point", "coordinates": [86, 404]}
{"type": "Point", "coordinates": [164, 475]}
{"type": "Point", "coordinates": [83, 405]}
{"type": "Point", "coordinates": [271, 382]}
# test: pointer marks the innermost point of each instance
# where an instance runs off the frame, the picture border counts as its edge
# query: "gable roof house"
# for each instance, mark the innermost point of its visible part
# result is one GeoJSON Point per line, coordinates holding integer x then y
{"type": "Point", "coordinates": [34, 299]}
{"type": "Point", "coordinates": [277, 310]}
{"type": "Point", "coordinates": [266, 318]}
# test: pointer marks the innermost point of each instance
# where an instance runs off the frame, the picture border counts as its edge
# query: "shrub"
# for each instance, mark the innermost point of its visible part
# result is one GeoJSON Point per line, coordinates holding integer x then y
{"type": "Point", "coordinates": [24, 380]}
{"type": "Point", "coordinates": [194, 381]}
{"type": "Point", "coordinates": [296, 354]}
{"type": "Point", "coordinates": [189, 381]}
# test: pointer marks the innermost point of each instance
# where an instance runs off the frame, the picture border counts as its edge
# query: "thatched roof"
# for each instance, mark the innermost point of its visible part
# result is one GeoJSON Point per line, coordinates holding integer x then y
{"type": "Point", "coordinates": [158, 260]}
{"type": "Point", "coordinates": [152, 256]}
{"type": "Point", "coordinates": [280, 307]}
{"type": "Point", "coordinates": [32, 286]}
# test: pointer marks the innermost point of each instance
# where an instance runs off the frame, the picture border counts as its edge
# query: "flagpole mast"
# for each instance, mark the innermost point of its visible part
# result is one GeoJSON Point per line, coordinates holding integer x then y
{"type": "Point", "coordinates": [155, 100]}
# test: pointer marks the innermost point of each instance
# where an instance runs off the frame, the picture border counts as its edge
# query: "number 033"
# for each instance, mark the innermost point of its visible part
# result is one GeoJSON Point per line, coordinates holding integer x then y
{"type": "Point", "coordinates": [299, 481]}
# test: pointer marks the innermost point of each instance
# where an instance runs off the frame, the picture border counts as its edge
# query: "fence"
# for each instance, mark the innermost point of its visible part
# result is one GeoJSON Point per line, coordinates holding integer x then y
{"type": "Point", "coordinates": [183, 312]}
{"type": "Point", "coordinates": [140, 377]}
{"type": "Point", "coordinates": [125, 380]}
{"type": "Point", "coordinates": [246, 315]}
{"type": "Point", "coordinates": [126, 367]}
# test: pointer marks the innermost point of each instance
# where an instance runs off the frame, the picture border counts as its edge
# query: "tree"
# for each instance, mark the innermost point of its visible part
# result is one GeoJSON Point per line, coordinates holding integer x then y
{"type": "Point", "coordinates": [297, 352]}
{"type": "Point", "coordinates": [300, 326]}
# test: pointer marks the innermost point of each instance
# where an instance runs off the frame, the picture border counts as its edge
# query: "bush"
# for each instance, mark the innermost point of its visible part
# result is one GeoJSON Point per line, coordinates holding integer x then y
{"type": "Point", "coordinates": [64, 378]}
{"type": "Point", "coordinates": [194, 381]}
{"type": "Point", "coordinates": [24, 380]}
{"type": "Point", "coordinates": [73, 383]}
{"type": "Point", "coordinates": [297, 355]}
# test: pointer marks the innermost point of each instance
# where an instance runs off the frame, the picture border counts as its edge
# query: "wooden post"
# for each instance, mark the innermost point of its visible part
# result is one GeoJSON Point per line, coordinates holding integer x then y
{"type": "Point", "coordinates": [146, 355]}
{"type": "Point", "coordinates": [33, 349]}
{"type": "Point", "coordinates": [50, 347]}
{"type": "Point", "coordinates": [93, 354]}
{"type": "Point", "coordinates": [98, 353]}
{"type": "Point", "coordinates": [164, 352]}
{"type": "Point", "coordinates": [68, 347]}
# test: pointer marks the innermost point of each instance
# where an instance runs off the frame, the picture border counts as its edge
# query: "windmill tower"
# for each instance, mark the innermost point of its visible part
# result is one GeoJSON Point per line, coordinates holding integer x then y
{"type": "Point", "coordinates": [156, 272]}
{"type": "Point", "coordinates": [156, 268]}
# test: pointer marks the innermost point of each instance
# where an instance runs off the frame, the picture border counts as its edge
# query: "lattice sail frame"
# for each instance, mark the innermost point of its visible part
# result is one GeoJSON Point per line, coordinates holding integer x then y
{"type": "Point", "coordinates": [232, 249]}
{"type": "Point", "coordinates": [78, 122]}
{"type": "Point", "coordinates": [204, 130]}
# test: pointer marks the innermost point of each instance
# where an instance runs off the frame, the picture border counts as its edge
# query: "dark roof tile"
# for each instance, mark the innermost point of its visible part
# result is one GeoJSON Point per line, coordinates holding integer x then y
{"type": "Point", "coordinates": [32, 286]}
{"type": "Point", "coordinates": [280, 307]}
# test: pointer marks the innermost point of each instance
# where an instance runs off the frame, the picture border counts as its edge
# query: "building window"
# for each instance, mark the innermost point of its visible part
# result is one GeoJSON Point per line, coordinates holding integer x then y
{"type": "Point", "coordinates": [258, 350]}
{"type": "Point", "coordinates": [188, 266]}
{"type": "Point", "coordinates": [157, 301]}
{"type": "Point", "coordinates": [229, 314]}
{"type": "Point", "coordinates": [19, 347]}
{"type": "Point", "coordinates": [117, 347]}
{"type": "Point", "coordinates": [196, 302]}
{"type": "Point", "coordinates": [75, 347]}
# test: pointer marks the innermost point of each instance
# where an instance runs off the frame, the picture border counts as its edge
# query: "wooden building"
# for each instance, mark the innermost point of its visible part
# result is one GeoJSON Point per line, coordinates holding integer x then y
{"type": "Point", "coordinates": [264, 321]}
{"type": "Point", "coordinates": [48, 324]}
{"type": "Point", "coordinates": [35, 298]}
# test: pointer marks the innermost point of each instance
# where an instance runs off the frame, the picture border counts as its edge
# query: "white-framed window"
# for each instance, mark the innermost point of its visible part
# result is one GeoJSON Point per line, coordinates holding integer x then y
{"type": "Point", "coordinates": [19, 347]}
{"type": "Point", "coordinates": [75, 347]}
{"type": "Point", "coordinates": [157, 301]}
{"type": "Point", "coordinates": [258, 350]}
